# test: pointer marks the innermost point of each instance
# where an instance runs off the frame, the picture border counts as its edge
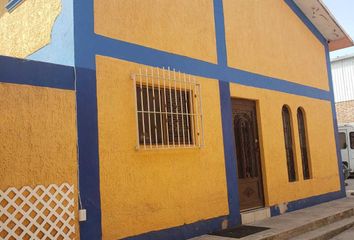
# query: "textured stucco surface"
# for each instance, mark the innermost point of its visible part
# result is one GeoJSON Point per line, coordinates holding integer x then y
{"type": "Point", "coordinates": [28, 28]}
{"type": "Point", "coordinates": [267, 37]}
{"type": "Point", "coordinates": [148, 190]}
{"type": "Point", "coordinates": [60, 50]}
{"type": "Point", "coordinates": [184, 27]}
{"type": "Point", "coordinates": [345, 112]}
{"type": "Point", "coordinates": [321, 145]}
{"type": "Point", "coordinates": [38, 138]}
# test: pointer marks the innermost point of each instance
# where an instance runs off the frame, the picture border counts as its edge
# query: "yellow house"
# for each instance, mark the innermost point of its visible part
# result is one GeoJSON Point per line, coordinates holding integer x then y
{"type": "Point", "coordinates": [163, 119]}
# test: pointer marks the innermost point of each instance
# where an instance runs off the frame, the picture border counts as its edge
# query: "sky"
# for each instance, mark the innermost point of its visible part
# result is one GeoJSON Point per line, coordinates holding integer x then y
{"type": "Point", "coordinates": [343, 11]}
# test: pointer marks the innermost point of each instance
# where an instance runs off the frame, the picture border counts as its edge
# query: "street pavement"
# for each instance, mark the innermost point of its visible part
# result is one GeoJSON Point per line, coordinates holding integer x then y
{"type": "Point", "coordinates": [349, 234]}
{"type": "Point", "coordinates": [297, 218]}
{"type": "Point", "coordinates": [346, 235]}
{"type": "Point", "coordinates": [350, 183]}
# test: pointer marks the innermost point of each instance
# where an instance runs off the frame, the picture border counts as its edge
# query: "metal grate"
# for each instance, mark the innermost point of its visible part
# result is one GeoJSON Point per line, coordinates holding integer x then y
{"type": "Point", "coordinates": [168, 109]}
{"type": "Point", "coordinates": [37, 213]}
{"type": "Point", "coordinates": [303, 143]}
{"type": "Point", "coordinates": [289, 146]}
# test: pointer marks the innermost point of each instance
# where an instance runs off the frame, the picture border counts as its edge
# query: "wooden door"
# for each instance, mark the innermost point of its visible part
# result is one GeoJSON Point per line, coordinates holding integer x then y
{"type": "Point", "coordinates": [247, 153]}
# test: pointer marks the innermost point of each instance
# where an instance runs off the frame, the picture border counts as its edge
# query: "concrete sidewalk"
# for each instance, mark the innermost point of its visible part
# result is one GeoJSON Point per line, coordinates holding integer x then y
{"type": "Point", "coordinates": [294, 221]}
{"type": "Point", "coordinates": [347, 235]}
{"type": "Point", "coordinates": [350, 186]}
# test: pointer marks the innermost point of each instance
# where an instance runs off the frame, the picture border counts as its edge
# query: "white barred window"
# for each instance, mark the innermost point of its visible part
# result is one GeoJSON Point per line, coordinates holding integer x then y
{"type": "Point", "coordinates": [168, 109]}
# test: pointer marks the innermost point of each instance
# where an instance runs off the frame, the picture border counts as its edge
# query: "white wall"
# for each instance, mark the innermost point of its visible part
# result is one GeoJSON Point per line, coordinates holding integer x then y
{"type": "Point", "coordinates": [343, 78]}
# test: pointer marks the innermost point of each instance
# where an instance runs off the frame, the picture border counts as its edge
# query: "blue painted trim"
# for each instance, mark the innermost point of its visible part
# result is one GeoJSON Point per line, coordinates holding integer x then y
{"type": "Point", "coordinates": [335, 124]}
{"type": "Point", "coordinates": [88, 44]}
{"type": "Point", "coordinates": [19, 71]}
{"type": "Point", "coordinates": [274, 84]}
{"type": "Point", "coordinates": [144, 55]}
{"type": "Point", "coordinates": [87, 127]}
{"type": "Point", "coordinates": [148, 56]}
{"type": "Point", "coordinates": [105, 46]}
{"type": "Point", "coordinates": [183, 232]}
{"type": "Point", "coordinates": [306, 21]}
{"type": "Point", "coordinates": [229, 155]}
{"type": "Point", "coordinates": [320, 37]}
{"type": "Point", "coordinates": [12, 4]}
{"type": "Point", "coordinates": [234, 217]}
{"type": "Point", "coordinates": [220, 32]}
{"type": "Point", "coordinates": [84, 41]}
{"type": "Point", "coordinates": [307, 202]}
{"type": "Point", "coordinates": [274, 211]}
{"type": "Point", "coordinates": [89, 175]}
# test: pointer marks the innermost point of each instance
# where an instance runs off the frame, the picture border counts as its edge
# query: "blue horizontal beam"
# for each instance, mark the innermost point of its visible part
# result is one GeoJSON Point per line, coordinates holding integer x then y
{"type": "Point", "coordinates": [261, 81]}
{"type": "Point", "coordinates": [144, 55]}
{"type": "Point", "coordinates": [20, 71]}
{"type": "Point", "coordinates": [153, 57]}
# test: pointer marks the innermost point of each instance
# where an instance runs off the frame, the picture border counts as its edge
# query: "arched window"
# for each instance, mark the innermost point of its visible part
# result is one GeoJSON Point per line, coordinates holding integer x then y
{"type": "Point", "coordinates": [303, 143]}
{"type": "Point", "coordinates": [289, 146]}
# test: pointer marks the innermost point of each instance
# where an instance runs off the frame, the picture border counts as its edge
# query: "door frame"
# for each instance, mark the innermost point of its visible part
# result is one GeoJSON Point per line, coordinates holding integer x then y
{"type": "Point", "coordinates": [255, 105]}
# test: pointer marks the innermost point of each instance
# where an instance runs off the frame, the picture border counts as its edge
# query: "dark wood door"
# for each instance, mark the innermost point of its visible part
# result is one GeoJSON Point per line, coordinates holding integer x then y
{"type": "Point", "coordinates": [247, 153]}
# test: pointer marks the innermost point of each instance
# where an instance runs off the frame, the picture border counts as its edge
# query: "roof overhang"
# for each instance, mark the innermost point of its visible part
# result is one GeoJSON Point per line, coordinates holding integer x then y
{"type": "Point", "coordinates": [317, 12]}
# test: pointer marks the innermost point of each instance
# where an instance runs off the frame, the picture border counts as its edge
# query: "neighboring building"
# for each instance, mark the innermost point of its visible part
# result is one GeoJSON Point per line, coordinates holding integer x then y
{"type": "Point", "coordinates": [96, 117]}
{"type": "Point", "coordinates": [343, 85]}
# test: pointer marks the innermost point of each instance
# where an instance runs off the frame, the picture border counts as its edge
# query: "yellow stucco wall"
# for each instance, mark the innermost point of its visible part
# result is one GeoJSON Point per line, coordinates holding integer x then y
{"type": "Point", "coordinates": [142, 191]}
{"type": "Point", "coordinates": [28, 28]}
{"type": "Point", "coordinates": [2, 6]}
{"type": "Point", "coordinates": [322, 149]}
{"type": "Point", "coordinates": [184, 27]}
{"type": "Point", "coordinates": [267, 37]}
{"type": "Point", "coordinates": [38, 137]}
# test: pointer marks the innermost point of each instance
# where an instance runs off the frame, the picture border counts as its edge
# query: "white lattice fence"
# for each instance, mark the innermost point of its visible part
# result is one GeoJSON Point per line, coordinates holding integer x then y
{"type": "Point", "coordinates": [37, 213]}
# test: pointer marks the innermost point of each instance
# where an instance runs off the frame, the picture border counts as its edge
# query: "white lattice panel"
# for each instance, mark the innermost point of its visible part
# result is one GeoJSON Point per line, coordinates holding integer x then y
{"type": "Point", "coordinates": [37, 213]}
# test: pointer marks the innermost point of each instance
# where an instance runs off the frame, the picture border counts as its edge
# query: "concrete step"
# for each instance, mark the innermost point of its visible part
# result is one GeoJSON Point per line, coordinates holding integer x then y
{"type": "Point", "coordinates": [310, 226]}
{"type": "Point", "coordinates": [296, 223]}
{"type": "Point", "coordinates": [255, 215]}
{"type": "Point", "coordinates": [347, 234]}
{"type": "Point", "coordinates": [327, 231]}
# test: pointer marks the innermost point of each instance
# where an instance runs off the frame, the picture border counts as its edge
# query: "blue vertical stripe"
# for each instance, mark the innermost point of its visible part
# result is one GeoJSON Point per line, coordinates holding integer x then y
{"type": "Point", "coordinates": [220, 32]}
{"type": "Point", "coordinates": [234, 217]}
{"type": "Point", "coordinates": [89, 174]}
{"type": "Point", "coordinates": [229, 154]}
{"type": "Point", "coordinates": [87, 127]}
{"type": "Point", "coordinates": [335, 124]}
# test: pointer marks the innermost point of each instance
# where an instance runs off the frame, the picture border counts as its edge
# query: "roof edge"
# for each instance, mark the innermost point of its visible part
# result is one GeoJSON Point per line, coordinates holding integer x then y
{"type": "Point", "coordinates": [321, 18]}
{"type": "Point", "coordinates": [345, 42]}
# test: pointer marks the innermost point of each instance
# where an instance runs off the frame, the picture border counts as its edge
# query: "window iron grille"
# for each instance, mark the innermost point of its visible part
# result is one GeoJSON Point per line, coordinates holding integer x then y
{"type": "Point", "coordinates": [168, 108]}
{"type": "Point", "coordinates": [289, 145]}
{"type": "Point", "coordinates": [303, 143]}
